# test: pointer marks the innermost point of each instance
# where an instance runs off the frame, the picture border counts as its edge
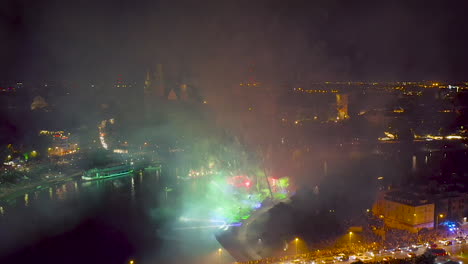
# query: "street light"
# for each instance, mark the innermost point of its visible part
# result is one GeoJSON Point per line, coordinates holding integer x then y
{"type": "Point", "coordinates": [220, 250]}
{"type": "Point", "coordinates": [437, 220]}
{"type": "Point", "coordinates": [296, 240]}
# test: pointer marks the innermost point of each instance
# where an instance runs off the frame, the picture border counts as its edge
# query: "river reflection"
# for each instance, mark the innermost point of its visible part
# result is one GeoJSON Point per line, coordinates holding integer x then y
{"type": "Point", "coordinates": [126, 202]}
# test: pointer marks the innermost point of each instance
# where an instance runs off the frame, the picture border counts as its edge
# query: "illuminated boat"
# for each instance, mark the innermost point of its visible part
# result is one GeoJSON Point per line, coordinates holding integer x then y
{"type": "Point", "coordinates": [154, 167]}
{"type": "Point", "coordinates": [116, 171]}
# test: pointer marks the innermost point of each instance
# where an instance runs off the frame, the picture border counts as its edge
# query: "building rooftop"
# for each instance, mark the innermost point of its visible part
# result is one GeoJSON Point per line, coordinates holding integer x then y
{"type": "Point", "coordinates": [408, 198]}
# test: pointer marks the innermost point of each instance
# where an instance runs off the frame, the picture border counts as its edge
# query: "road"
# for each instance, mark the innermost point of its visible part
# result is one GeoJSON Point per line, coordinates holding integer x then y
{"type": "Point", "coordinates": [244, 230]}
{"type": "Point", "coordinates": [454, 250]}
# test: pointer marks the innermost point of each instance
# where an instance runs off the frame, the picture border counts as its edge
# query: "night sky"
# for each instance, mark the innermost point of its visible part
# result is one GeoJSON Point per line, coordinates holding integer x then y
{"type": "Point", "coordinates": [90, 40]}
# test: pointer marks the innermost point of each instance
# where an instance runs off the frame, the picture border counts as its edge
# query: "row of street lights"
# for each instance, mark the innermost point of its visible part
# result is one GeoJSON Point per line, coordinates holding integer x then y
{"type": "Point", "coordinates": [296, 240]}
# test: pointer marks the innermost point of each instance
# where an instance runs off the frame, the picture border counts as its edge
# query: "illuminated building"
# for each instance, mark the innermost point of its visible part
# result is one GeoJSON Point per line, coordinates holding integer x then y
{"type": "Point", "coordinates": [172, 95]}
{"type": "Point", "coordinates": [38, 103]}
{"type": "Point", "coordinates": [61, 144]}
{"type": "Point", "coordinates": [9, 87]}
{"type": "Point", "coordinates": [51, 133]}
{"type": "Point", "coordinates": [120, 83]}
{"type": "Point", "coordinates": [406, 211]}
{"type": "Point", "coordinates": [342, 106]}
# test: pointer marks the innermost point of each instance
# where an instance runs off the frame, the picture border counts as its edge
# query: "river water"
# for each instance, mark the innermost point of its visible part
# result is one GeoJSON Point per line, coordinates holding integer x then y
{"type": "Point", "coordinates": [105, 221]}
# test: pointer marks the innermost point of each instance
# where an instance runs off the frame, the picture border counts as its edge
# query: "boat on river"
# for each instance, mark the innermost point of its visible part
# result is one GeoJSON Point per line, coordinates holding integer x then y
{"type": "Point", "coordinates": [109, 172]}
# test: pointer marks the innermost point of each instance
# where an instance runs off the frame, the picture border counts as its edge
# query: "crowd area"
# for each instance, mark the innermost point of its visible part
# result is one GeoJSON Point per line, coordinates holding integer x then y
{"type": "Point", "coordinates": [423, 259]}
{"type": "Point", "coordinates": [313, 255]}
{"type": "Point", "coordinates": [367, 241]}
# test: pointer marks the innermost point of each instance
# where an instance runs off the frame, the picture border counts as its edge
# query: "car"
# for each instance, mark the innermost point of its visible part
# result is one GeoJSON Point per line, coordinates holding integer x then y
{"type": "Point", "coordinates": [389, 250]}
{"type": "Point", "coordinates": [429, 244]}
{"type": "Point", "coordinates": [412, 249]}
{"type": "Point", "coordinates": [443, 259]}
{"type": "Point", "coordinates": [356, 256]}
{"type": "Point", "coordinates": [388, 258]}
{"type": "Point", "coordinates": [438, 252]}
{"type": "Point", "coordinates": [365, 258]}
{"type": "Point", "coordinates": [328, 260]}
{"type": "Point", "coordinates": [405, 249]}
{"type": "Point", "coordinates": [342, 257]}
{"type": "Point", "coordinates": [447, 242]}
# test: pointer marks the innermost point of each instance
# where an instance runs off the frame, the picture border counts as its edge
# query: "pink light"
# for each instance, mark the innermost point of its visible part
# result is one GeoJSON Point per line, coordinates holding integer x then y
{"type": "Point", "coordinates": [240, 181]}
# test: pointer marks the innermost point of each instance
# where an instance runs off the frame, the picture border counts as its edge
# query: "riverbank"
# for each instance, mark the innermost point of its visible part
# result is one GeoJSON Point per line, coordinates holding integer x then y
{"type": "Point", "coordinates": [20, 189]}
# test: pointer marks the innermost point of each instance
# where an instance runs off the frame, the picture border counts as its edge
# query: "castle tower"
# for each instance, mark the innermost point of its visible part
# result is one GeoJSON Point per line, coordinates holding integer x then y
{"type": "Point", "coordinates": [147, 87]}
{"type": "Point", "coordinates": [184, 92]}
{"type": "Point", "coordinates": [342, 106]}
{"type": "Point", "coordinates": [148, 97]}
{"type": "Point", "coordinates": [159, 86]}
{"type": "Point", "coordinates": [172, 96]}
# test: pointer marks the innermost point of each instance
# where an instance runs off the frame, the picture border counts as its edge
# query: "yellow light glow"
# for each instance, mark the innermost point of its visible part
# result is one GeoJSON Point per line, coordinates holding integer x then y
{"type": "Point", "coordinates": [441, 215]}
{"type": "Point", "coordinates": [297, 239]}
{"type": "Point", "coordinates": [389, 135]}
{"type": "Point", "coordinates": [434, 137]}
